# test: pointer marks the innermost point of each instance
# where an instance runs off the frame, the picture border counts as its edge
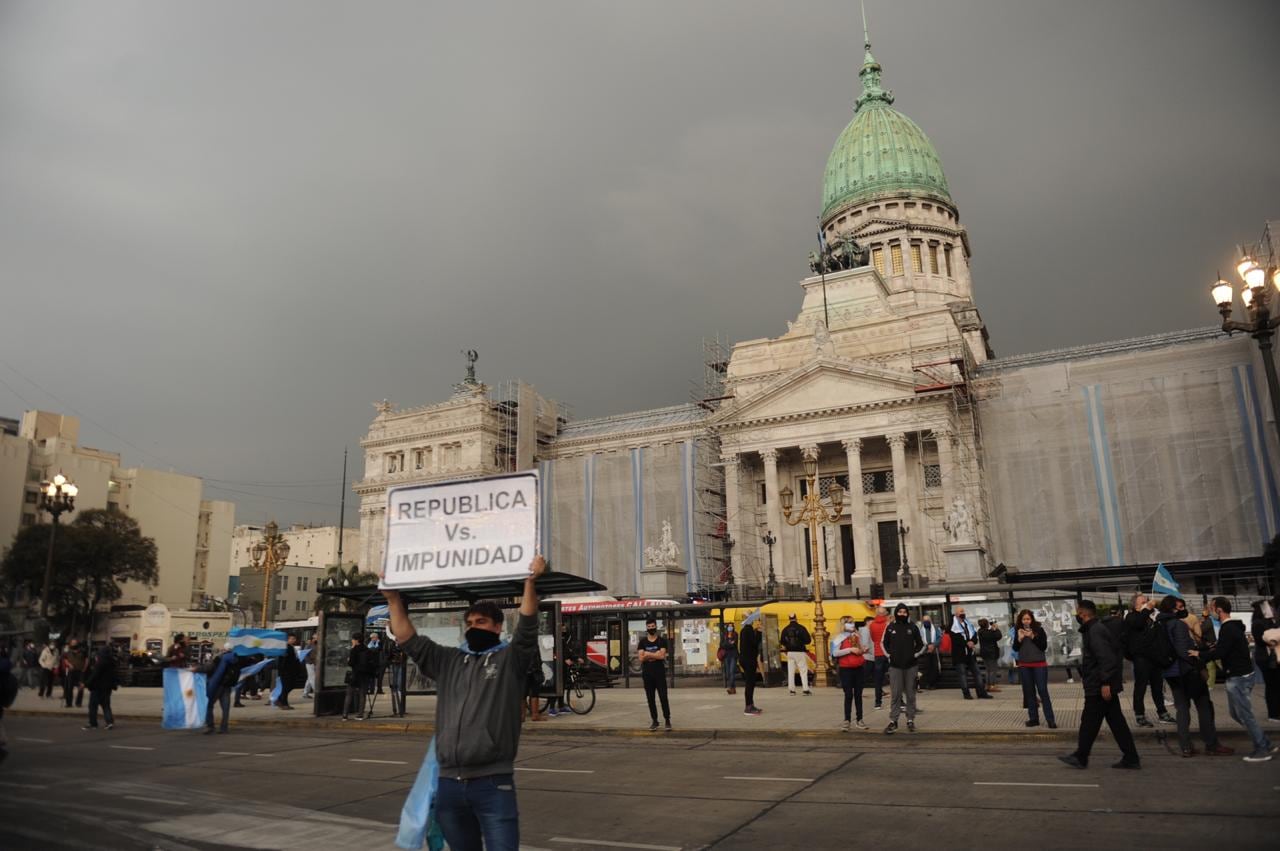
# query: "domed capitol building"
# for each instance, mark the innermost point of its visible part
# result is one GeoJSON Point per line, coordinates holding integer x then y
{"type": "Point", "coordinates": [961, 472]}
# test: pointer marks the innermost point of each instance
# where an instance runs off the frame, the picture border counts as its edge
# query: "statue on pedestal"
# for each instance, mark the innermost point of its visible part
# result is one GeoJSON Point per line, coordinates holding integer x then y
{"type": "Point", "coordinates": [960, 522]}
{"type": "Point", "coordinates": [666, 553]}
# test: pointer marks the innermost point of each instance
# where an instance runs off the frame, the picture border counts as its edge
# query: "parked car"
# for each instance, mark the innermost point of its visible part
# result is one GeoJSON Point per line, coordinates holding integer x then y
{"type": "Point", "coordinates": [144, 670]}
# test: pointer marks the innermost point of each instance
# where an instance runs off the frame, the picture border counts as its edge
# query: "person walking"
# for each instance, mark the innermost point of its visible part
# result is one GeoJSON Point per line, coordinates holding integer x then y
{"type": "Point", "coordinates": [1185, 682]}
{"type": "Point", "coordinates": [729, 658]}
{"type": "Point", "coordinates": [880, 662]}
{"type": "Point", "coordinates": [1102, 674]}
{"type": "Point", "coordinates": [569, 655]}
{"type": "Point", "coordinates": [1232, 648]}
{"type": "Point", "coordinates": [477, 721]}
{"type": "Point", "coordinates": [652, 651]}
{"type": "Point", "coordinates": [291, 672]}
{"type": "Point", "coordinates": [989, 636]}
{"type": "Point", "coordinates": [74, 661]}
{"type": "Point", "coordinates": [309, 690]}
{"type": "Point", "coordinates": [847, 650]}
{"type": "Point", "coordinates": [1137, 635]}
{"type": "Point", "coordinates": [964, 644]}
{"type": "Point", "coordinates": [749, 659]}
{"type": "Point", "coordinates": [1264, 655]}
{"type": "Point", "coordinates": [795, 643]}
{"type": "Point", "coordinates": [931, 658]}
{"type": "Point", "coordinates": [101, 680]}
{"type": "Point", "coordinates": [1030, 643]}
{"type": "Point", "coordinates": [48, 662]}
{"type": "Point", "coordinates": [357, 682]}
{"type": "Point", "coordinates": [397, 675]}
{"type": "Point", "coordinates": [30, 664]}
{"type": "Point", "coordinates": [219, 685]}
{"type": "Point", "coordinates": [903, 646]}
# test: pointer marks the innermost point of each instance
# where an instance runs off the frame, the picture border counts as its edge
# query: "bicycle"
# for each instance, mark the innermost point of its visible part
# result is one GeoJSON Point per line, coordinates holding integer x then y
{"type": "Point", "coordinates": [579, 695]}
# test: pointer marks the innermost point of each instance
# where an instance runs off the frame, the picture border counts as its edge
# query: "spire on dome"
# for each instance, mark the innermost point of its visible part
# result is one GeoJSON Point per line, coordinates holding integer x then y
{"type": "Point", "coordinates": [870, 72]}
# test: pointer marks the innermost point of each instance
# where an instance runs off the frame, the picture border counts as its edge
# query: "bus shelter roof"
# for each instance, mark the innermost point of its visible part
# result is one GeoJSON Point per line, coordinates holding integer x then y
{"type": "Point", "coordinates": [548, 584]}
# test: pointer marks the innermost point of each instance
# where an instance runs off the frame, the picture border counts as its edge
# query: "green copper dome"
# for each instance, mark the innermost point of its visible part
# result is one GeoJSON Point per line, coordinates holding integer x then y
{"type": "Point", "coordinates": [881, 153]}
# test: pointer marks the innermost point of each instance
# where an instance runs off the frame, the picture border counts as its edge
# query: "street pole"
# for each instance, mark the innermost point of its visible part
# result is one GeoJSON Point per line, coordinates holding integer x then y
{"type": "Point", "coordinates": [56, 496]}
{"type": "Point", "coordinates": [819, 616]}
{"type": "Point", "coordinates": [48, 570]}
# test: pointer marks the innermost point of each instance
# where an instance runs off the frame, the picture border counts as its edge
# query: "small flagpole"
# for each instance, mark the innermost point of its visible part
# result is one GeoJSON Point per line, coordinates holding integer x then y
{"type": "Point", "coordinates": [822, 270]}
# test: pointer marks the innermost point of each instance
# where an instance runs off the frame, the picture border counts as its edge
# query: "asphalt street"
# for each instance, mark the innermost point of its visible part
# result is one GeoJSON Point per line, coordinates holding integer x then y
{"type": "Point", "coordinates": [138, 787]}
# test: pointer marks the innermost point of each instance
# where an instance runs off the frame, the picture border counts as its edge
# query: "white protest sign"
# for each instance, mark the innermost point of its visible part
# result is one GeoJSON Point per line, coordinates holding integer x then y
{"type": "Point", "coordinates": [453, 532]}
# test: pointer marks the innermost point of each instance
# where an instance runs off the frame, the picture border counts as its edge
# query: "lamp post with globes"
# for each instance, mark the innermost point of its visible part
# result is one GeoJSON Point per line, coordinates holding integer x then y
{"type": "Point", "coordinates": [771, 585]}
{"type": "Point", "coordinates": [1258, 265]}
{"type": "Point", "coordinates": [813, 511]}
{"type": "Point", "coordinates": [268, 555]}
{"type": "Point", "coordinates": [56, 497]}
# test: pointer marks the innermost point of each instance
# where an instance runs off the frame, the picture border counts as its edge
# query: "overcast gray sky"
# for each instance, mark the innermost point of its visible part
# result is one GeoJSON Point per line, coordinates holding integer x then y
{"type": "Point", "coordinates": [227, 227]}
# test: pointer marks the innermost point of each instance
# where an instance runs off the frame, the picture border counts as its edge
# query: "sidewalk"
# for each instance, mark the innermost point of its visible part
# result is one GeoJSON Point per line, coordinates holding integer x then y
{"type": "Point", "coordinates": [694, 710]}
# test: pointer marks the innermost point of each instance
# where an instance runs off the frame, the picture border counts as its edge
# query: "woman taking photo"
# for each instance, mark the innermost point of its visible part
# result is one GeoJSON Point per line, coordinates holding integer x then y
{"type": "Point", "coordinates": [1030, 642]}
{"type": "Point", "coordinates": [847, 650]}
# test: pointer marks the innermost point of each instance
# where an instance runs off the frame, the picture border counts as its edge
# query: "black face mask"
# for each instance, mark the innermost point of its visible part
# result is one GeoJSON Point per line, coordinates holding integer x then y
{"type": "Point", "coordinates": [653, 631]}
{"type": "Point", "coordinates": [481, 640]}
{"type": "Point", "coordinates": [900, 618]}
{"type": "Point", "coordinates": [1181, 614]}
{"type": "Point", "coordinates": [1079, 620]}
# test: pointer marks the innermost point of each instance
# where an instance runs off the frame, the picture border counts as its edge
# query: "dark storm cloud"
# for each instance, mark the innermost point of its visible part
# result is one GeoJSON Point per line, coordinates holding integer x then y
{"type": "Point", "coordinates": [226, 228]}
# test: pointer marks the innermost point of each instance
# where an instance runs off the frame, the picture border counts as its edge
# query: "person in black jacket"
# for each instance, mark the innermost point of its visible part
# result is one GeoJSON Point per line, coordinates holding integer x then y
{"type": "Point", "coordinates": [795, 642]}
{"type": "Point", "coordinates": [749, 660]}
{"type": "Point", "coordinates": [291, 671]}
{"type": "Point", "coordinates": [1101, 671]}
{"type": "Point", "coordinates": [1031, 643]}
{"type": "Point", "coordinates": [101, 680]}
{"type": "Point", "coordinates": [356, 679]}
{"type": "Point", "coordinates": [1264, 618]}
{"type": "Point", "coordinates": [1139, 621]}
{"type": "Point", "coordinates": [902, 645]}
{"type": "Point", "coordinates": [1232, 649]}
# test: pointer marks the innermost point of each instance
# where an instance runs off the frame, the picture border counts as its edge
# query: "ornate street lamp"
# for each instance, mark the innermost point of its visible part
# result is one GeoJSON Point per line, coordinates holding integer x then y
{"type": "Point", "coordinates": [268, 555]}
{"type": "Point", "coordinates": [56, 497]}
{"type": "Point", "coordinates": [1258, 265]}
{"type": "Point", "coordinates": [814, 512]}
{"type": "Point", "coordinates": [771, 585]}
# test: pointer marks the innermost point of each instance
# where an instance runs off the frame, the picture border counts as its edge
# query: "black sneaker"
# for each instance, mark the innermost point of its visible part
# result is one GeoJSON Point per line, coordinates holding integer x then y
{"type": "Point", "coordinates": [1053, 725]}
{"type": "Point", "coordinates": [668, 727]}
{"type": "Point", "coordinates": [653, 726]}
{"type": "Point", "coordinates": [1033, 724]}
{"type": "Point", "coordinates": [1124, 763]}
{"type": "Point", "coordinates": [1073, 761]}
{"type": "Point", "coordinates": [89, 727]}
{"type": "Point", "coordinates": [891, 729]}
{"type": "Point", "coordinates": [1141, 721]}
{"type": "Point", "coordinates": [911, 726]}
{"type": "Point", "coordinates": [1166, 718]}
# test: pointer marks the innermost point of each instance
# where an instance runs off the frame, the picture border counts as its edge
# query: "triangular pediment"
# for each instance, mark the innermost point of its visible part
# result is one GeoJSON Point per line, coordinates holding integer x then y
{"type": "Point", "coordinates": [821, 385]}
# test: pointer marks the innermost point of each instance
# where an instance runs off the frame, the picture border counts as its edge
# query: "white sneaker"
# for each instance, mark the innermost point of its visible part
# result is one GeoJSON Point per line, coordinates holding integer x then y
{"type": "Point", "coordinates": [844, 726]}
{"type": "Point", "coordinates": [1258, 756]}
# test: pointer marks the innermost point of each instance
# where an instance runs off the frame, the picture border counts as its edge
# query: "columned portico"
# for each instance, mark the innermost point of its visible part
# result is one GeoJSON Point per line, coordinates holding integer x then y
{"type": "Point", "coordinates": [904, 494]}
{"type": "Point", "coordinates": [770, 458]}
{"type": "Point", "coordinates": [733, 515]}
{"type": "Point", "coordinates": [862, 559]}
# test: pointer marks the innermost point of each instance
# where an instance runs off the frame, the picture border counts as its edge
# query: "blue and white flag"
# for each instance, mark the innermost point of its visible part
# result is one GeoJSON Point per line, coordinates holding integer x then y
{"type": "Point", "coordinates": [184, 699]}
{"type": "Point", "coordinates": [1163, 584]}
{"type": "Point", "coordinates": [378, 613]}
{"type": "Point", "coordinates": [246, 641]}
{"type": "Point", "coordinates": [753, 616]}
{"type": "Point", "coordinates": [250, 670]}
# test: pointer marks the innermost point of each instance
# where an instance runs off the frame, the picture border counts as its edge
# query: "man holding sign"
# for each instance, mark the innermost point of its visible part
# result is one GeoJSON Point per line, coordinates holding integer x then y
{"type": "Point", "coordinates": [479, 686]}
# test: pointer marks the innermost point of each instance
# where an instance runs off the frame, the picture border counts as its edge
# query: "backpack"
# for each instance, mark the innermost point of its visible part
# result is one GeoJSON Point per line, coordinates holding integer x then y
{"type": "Point", "coordinates": [1155, 644]}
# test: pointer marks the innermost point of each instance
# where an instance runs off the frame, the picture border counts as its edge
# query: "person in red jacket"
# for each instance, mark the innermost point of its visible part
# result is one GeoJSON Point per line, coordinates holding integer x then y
{"type": "Point", "coordinates": [876, 629]}
{"type": "Point", "coordinates": [847, 650]}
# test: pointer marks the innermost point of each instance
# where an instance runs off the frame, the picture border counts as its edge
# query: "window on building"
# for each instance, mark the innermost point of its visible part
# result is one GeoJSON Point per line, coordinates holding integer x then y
{"type": "Point", "coordinates": [764, 494]}
{"type": "Point", "coordinates": [917, 261]}
{"type": "Point", "coordinates": [946, 253]}
{"type": "Point", "coordinates": [877, 259]}
{"type": "Point", "coordinates": [300, 606]}
{"type": "Point", "coordinates": [932, 476]}
{"type": "Point", "coordinates": [391, 463]}
{"type": "Point", "coordinates": [303, 582]}
{"type": "Point", "coordinates": [877, 481]}
{"type": "Point", "coordinates": [895, 257]}
{"type": "Point", "coordinates": [29, 497]}
{"type": "Point", "coordinates": [933, 259]}
{"type": "Point", "coordinates": [419, 459]}
{"type": "Point", "coordinates": [28, 519]}
{"type": "Point", "coordinates": [824, 484]}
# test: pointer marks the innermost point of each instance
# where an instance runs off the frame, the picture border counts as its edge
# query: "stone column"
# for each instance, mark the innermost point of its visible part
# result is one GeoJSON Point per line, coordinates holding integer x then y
{"type": "Point", "coordinates": [862, 564]}
{"type": "Point", "coordinates": [903, 494]}
{"type": "Point", "coordinates": [950, 482]}
{"type": "Point", "coordinates": [733, 516]}
{"type": "Point", "coordinates": [774, 506]}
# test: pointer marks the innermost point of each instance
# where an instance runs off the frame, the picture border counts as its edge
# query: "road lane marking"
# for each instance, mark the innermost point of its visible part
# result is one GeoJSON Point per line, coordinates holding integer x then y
{"type": "Point", "coordinates": [556, 770]}
{"type": "Point", "coordinates": [130, 748]}
{"type": "Point", "coordinates": [785, 779]}
{"type": "Point", "coordinates": [23, 785]}
{"type": "Point", "coordinates": [153, 800]}
{"type": "Point", "coordinates": [605, 842]}
{"type": "Point", "coordinates": [233, 753]}
{"type": "Point", "coordinates": [264, 754]}
{"type": "Point", "coordinates": [37, 741]}
{"type": "Point", "coordinates": [381, 761]}
{"type": "Point", "coordinates": [1056, 785]}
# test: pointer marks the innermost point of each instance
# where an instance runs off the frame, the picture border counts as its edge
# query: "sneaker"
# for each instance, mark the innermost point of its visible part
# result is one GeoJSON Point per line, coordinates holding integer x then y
{"type": "Point", "coordinates": [1187, 753]}
{"type": "Point", "coordinates": [1053, 725]}
{"type": "Point", "coordinates": [208, 731]}
{"type": "Point", "coordinates": [111, 726]}
{"type": "Point", "coordinates": [1166, 718]}
{"type": "Point", "coordinates": [1141, 721]}
{"type": "Point", "coordinates": [89, 727]}
{"type": "Point", "coordinates": [911, 726]}
{"type": "Point", "coordinates": [1032, 724]}
{"type": "Point", "coordinates": [1070, 680]}
{"type": "Point", "coordinates": [891, 729]}
{"type": "Point", "coordinates": [844, 728]}
{"type": "Point", "coordinates": [968, 697]}
{"type": "Point", "coordinates": [985, 697]}
{"type": "Point", "coordinates": [653, 726]}
{"type": "Point", "coordinates": [1258, 756]}
{"type": "Point", "coordinates": [878, 706]}
{"type": "Point", "coordinates": [1124, 763]}
{"type": "Point", "coordinates": [551, 713]}
{"type": "Point", "coordinates": [860, 724]}
{"type": "Point", "coordinates": [1219, 750]}
{"type": "Point", "coordinates": [751, 710]}
{"type": "Point", "coordinates": [1073, 761]}
{"type": "Point", "coordinates": [792, 692]}
{"type": "Point", "coordinates": [345, 718]}
{"type": "Point", "coordinates": [359, 717]}
{"type": "Point", "coordinates": [807, 692]}
{"type": "Point", "coordinates": [668, 726]}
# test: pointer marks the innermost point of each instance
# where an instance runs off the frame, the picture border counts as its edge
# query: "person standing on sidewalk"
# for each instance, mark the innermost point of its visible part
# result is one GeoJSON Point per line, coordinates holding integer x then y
{"type": "Point", "coordinates": [220, 684]}
{"type": "Point", "coordinates": [309, 690]}
{"type": "Point", "coordinates": [729, 658]}
{"type": "Point", "coordinates": [1233, 650]}
{"type": "Point", "coordinates": [903, 646]}
{"type": "Point", "coordinates": [652, 651]}
{"type": "Point", "coordinates": [48, 661]}
{"type": "Point", "coordinates": [1137, 633]}
{"type": "Point", "coordinates": [1184, 679]}
{"type": "Point", "coordinates": [1030, 644]}
{"type": "Point", "coordinates": [74, 661]}
{"type": "Point", "coordinates": [964, 645]}
{"type": "Point", "coordinates": [930, 659]}
{"type": "Point", "coordinates": [875, 632]}
{"type": "Point", "coordinates": [30, 665]}
{"type": "Point", "coordinates": [795, 643]}
{"type": "Point", "coordinates": [749, 658]}
{"type": "Point", "coordinates": [1102, 673]}
{"type": "Point", "coordinates": [989, 636]}
{"type": "Point", "coordinates": [1264, 619]}
{"type": "Point", "coordinates": [357, 682]}
{"type": "Point", "coordinates": [101, 681]}
{"type": "Point", "coordinates": [290, 671]}
{"type": "Point", "coordinates": [847, 650]}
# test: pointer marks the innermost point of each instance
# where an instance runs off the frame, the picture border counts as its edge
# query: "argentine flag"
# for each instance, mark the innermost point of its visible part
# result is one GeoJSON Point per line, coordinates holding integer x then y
{"type": "Point", "coordinates": [184, 699]}
{"type": "Point", "coordinates": [1163, 584]}
{"type": "Point", "coordinates": [249, 671]}
{"type": "Point", "coordinates": [246, 641]}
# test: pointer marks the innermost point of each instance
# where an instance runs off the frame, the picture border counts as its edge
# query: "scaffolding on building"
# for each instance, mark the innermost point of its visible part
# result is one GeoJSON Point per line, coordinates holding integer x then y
{"type": "Point", "coordinates": [712, 541]}
{"type": "Point", "coordinates": [527, 435]}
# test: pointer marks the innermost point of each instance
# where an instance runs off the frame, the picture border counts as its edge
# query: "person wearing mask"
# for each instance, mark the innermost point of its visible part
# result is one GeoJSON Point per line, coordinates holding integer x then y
{"type": "Point", "coordinates": [964, 645]}
{"type": "Point", "coordinates": [478, 688]}
{"type": "Point", "coordinates": [397, 677]}
{"type": "Point", "coordinates": [1137, 633]}
{"type": "Point", "coordinates": [749, 659]}
{"type": "Point", "coordinates": [930, 659]}
{"type": "Point", "coordinates": [48, 662]}
{"type": "Point", "coordinates": [222, 680]}
{"type": "Point", "coordinates": [1264, 655]}
{"type": "Point", "coordinates": [989, 650]}
{"type": "Point", "coordinates": [652, 652]}
{"type": "Point", "coordinates": [729, 658]}
{"type": "Point", "coordinates": [795, 643]}
{"type": "Point", "coordinates": [74, 661]}
{"type": "Point", "coordinates": [30, 665]}
{"type": "Point", "coordinates": [848, 653]}
{"type": "Point", "coordinates": [875, 634]}
{"type": "Point", "coordinates": [374, 654]}
{"type": "Point", "coordinates": [903, 646]}
{"type": "Point", "coordinates": [1030, 643]}
{"type": "Point", "coordinates": [357, 681]}
{"type": "Point", "coordinates": [291, 671]}
{"type": "Point", "coordinates": [1232, 648]}
{"type": "Point", "coordinates": [177, 655]}
{"type": "Point", "coordinates": [1182, 675]}
{"type": "Point", "coordinates": [1102, 673]}
{"type": "Point", "coordinates": [101, 680]}
{"type": "Point", "coordinates": [569, 655]}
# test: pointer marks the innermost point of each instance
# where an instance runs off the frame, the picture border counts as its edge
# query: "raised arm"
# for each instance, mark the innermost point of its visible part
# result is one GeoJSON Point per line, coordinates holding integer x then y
{"type": "Point", "coordinates": [529, 602]}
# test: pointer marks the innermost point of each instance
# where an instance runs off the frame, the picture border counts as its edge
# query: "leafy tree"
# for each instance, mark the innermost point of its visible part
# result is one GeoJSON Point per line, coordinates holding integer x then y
{"type": "Point", "coordinates": [93, 555]}
{"type": "Point", "coordinates": [343, 577]}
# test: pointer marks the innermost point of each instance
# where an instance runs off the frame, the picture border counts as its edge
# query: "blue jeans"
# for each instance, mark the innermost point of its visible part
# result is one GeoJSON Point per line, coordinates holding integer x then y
{"type": "Point", "coordinates": [484, 807]}
{"type": "Point", "coordinates": [221, 697]}
{"type": "Point", "coordinates": [730, 665]}
{"type": "Point", "coordinates": [1238, 691]}
{"type": "Point", "coordinates": [1036, 681]}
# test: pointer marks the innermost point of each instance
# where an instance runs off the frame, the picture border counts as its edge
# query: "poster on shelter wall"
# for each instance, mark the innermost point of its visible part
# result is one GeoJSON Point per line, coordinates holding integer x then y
{"type": "Point", "coordinates": [477, 530]}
